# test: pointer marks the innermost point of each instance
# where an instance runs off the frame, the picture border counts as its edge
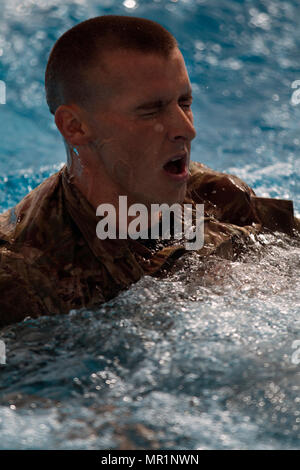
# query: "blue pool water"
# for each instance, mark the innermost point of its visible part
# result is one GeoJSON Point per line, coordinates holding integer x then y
{"type": "Point", "coordinates": [205, 358]}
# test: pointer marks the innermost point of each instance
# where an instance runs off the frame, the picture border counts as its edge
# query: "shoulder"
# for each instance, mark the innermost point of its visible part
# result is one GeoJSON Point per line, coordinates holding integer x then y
{"type": "Point", "coordinates": [30, 219]}
{"type": "Point", "coordinates": [226, 196]}
{"type": "Point", "coordinates": [203, 175]}
{"type": "Point", "coordinates": [230, 199]}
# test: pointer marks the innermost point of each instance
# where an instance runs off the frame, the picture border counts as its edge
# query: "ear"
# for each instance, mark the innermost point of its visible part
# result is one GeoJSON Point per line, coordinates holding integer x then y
{"type": "Point", "coordinates": [71, 124]}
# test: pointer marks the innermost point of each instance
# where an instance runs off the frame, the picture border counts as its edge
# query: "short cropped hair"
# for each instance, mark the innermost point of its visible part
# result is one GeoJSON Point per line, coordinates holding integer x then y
{"type": "Point", "coordinates": [81, 47]}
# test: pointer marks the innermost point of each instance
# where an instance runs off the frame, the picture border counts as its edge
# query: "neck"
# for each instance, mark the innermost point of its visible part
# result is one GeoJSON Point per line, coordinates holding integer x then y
{"type": "Point", "coordinates": [96, 187]}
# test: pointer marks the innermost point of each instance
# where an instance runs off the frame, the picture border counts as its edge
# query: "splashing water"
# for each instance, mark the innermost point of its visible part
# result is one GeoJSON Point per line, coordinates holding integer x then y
{"type": "Point", "coordinates": [204, 358]}
{"type": "Point", "coordinates": [198, 360]}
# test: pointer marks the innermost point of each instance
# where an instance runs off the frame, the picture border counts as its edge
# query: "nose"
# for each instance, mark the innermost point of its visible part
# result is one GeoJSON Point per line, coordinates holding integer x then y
{"type": "Point", "coordinates": [181, 125]}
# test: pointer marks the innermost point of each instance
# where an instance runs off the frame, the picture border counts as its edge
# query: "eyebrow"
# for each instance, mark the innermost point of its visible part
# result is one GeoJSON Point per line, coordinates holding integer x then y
{"type": "Point", "coordinates": [160, 103]}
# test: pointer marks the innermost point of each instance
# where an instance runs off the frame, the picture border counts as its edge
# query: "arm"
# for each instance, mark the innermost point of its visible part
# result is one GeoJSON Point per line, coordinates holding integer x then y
{"type": "Point", "coordinates": [17, 300]}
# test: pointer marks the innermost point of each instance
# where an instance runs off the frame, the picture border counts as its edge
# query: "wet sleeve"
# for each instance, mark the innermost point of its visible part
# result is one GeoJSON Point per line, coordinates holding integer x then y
{"type": "Point", "coordinates": [17, 298]}
{"type": "Point", "coordinates": [276, 214]}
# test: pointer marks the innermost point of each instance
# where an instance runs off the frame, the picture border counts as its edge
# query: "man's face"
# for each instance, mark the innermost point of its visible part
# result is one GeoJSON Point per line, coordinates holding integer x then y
{"type": "Point", "coordinates": [142, 125]}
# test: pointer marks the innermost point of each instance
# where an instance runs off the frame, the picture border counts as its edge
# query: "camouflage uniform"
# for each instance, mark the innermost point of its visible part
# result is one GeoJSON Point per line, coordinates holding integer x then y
{"type": "Point", "coordinates": [51, 260]}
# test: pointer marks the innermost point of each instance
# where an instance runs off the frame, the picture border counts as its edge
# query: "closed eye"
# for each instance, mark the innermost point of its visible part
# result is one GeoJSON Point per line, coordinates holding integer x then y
{"type": "Point", "coordinates": [151, 113]}
{"type": "Point", "coordinates": [154, 108]}
{"type": "Point", "coordinates": [151, 109]}
{"type": "Point", "coordinates": [186, 104]}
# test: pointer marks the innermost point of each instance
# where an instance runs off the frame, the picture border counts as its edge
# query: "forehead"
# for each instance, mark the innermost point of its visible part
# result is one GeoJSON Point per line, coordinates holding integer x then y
{"type": "Point", "coordinates": [134, 75]}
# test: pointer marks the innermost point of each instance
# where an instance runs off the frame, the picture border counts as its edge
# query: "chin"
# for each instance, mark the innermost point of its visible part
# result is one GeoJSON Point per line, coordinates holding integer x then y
{"type": "Point", "coordinates": [169, 197]}
{"type": "Point", "coordinates": [178, 199]}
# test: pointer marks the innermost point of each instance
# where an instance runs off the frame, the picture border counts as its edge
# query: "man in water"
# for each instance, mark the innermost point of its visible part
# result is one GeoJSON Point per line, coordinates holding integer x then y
{"type": "Point", "coordinates": [121, 96]}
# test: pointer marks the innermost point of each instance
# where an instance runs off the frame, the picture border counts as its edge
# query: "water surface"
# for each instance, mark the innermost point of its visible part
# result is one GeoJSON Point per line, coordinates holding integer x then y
{"type": "Point", "coordinates": [204, 358]}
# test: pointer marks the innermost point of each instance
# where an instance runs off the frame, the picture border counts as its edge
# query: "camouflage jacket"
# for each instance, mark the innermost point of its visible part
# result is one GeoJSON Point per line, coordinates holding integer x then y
{"type": "Point", "coordinates": [51, 260]}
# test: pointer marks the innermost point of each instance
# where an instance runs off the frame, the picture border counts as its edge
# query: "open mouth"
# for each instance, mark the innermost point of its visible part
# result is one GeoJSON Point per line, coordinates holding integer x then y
{"type": "Point", "coordinates": [176, 165]}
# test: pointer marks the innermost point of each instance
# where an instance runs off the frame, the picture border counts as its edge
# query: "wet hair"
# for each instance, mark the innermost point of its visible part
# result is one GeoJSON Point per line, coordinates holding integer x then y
{"type": "Point", "coordinates": [79, 48]}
